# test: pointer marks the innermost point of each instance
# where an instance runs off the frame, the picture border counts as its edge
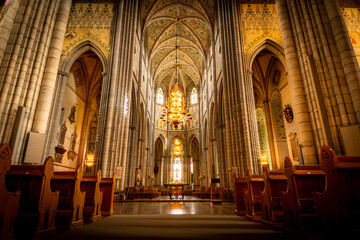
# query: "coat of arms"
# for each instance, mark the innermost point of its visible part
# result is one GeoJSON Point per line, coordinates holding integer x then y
{"type": "Point", "coordinates": [288, 113]}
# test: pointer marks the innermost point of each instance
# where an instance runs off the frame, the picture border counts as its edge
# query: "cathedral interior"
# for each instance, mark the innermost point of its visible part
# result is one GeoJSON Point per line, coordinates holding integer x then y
{"type": "Point", "coordinates": [190, 93]}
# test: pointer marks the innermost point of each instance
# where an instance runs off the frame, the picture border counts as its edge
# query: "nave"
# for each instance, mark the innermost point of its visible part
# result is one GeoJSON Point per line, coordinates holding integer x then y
{"type": "Point", "coordinates": [174, 220]}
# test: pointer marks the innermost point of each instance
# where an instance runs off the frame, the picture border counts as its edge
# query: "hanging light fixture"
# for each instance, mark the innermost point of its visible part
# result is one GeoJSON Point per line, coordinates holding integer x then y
{"type": "Point", "coordinates": [176, 111]}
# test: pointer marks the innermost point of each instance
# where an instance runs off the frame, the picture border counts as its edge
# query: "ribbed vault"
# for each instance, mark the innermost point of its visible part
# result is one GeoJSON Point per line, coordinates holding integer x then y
{"type": "Point", "coordinates": [181, 28]}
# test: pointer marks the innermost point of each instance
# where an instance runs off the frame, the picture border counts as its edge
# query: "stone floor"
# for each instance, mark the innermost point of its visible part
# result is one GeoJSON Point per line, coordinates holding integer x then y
{"type": "Point", "coordinates": [173, 208]}
{"type": "Point", "coordinates": [173, 220]}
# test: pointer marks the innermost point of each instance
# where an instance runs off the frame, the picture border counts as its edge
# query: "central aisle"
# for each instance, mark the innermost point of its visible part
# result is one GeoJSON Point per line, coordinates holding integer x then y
{"type": "Point", "coordinates": [172, 221]}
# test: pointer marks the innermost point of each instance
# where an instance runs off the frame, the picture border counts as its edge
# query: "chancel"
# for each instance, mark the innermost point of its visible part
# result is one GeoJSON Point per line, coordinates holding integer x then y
{"type": "Point", "coordinates": [137, 119]}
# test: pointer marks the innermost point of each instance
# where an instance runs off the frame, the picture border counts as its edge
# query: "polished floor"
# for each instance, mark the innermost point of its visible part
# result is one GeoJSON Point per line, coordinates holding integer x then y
{"type": "Point", "coordinates": [173, 208]}
{"type": "Point", "coordinates": [173, 220]}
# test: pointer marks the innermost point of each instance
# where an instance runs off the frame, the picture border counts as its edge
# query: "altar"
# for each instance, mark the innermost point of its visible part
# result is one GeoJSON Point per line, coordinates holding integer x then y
{"type": "Point", "coordinates": [176, 190]}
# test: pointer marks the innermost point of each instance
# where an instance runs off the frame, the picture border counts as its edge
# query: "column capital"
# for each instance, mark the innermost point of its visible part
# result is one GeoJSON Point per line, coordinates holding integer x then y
{"type": "Point", "coordinates": [64, 74]}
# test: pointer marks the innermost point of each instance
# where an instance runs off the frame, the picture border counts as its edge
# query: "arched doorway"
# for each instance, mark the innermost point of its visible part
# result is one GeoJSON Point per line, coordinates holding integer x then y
{"type": "Point", "coordinates": [80, 103]}
{"type": "Point", "coordinates": [158, 166]}
{"type": "Point", "coordinates": [271, 94]}
{"type": "Point", "coordinates": [195, 159]}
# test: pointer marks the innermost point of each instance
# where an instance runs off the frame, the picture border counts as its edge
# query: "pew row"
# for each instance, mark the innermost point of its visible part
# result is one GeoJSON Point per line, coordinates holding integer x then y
{"type": "Point", "coordinates": [240, 185]}
{"type": "Point", "coordinates": [107, 186]}
{"type": "Point", "coordinates": [38, 204]}
{"type": "Point", "coordinates": [297, 201]}
{"type": "Point", "coordinates": [71, 200]}
{"type": "Point", "coordinates": [338, 206]}
{"type": "Point", "coordinates": [255, 185]}
{"type": "Point", "coordinates": [9, 202]}
{"type": "Point", "coordinates": [275, 182]}
{"type": "Point", "coordinates": [93, 197]}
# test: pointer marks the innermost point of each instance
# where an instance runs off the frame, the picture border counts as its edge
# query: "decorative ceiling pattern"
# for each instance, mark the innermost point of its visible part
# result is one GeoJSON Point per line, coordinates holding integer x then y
{"type": "Point", "coordinates": [177, 32]}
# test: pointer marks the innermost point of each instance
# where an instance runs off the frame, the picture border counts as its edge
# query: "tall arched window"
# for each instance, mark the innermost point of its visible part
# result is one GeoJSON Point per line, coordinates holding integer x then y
{"type": "Point", "coordinates": [160, 96]}
{"type": "Point", "coordinates": [193, 96]}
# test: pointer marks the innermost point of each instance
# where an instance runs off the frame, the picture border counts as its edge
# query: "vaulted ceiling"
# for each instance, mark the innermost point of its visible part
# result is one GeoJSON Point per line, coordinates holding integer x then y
{"type": "Point", "coordinates": [177, 29]}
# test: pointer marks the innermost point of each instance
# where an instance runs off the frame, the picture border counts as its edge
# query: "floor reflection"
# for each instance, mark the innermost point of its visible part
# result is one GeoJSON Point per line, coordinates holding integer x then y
{"type": "Point", "coordinates": [173, 208]}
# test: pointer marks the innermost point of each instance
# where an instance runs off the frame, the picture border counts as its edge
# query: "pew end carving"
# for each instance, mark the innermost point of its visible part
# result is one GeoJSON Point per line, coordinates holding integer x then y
{"type": "Point", "coordinates": [107, 186]}
{"type": "Point", "coordinates": [338, 206]}
{"type": "Point", "coordinates": [38, 204]}
{"type": "Point", "coordinates": [297, 201]}
{"type": "Point", "coordinates": [240, 186]}
{"type": "Point", "coordinates": [255, 185]}
{"type": "Point", "coordinates": [275, 182]}
{"type": "Point", "coordinates": [93, 197]}
{"type": "Point", "coordinates": [9, 201]}
{"type": "Point", "coordinates": [71, 200]}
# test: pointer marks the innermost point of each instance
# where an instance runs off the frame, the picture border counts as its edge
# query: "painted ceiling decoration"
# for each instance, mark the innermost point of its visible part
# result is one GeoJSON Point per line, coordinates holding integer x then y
{"type": "Point", "coordinates": [182, 26]}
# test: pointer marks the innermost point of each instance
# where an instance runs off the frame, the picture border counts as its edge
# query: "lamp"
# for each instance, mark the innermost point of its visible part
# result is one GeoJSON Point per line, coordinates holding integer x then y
{"type": "Point", "coordinates": [264, 160]}
{"type": "Point", "coordinates": [90, 160]}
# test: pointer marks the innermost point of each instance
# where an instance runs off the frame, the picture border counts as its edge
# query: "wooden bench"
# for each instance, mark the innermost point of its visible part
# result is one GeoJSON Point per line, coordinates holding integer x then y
{"type": "Point", "coordinates": [298, 202]}
{"type": "Point", "coordinates": [38, 204]}
{"type": "Point", "coordinates": [93, 197]}
{"type": "Point", "coordinates": [71, 200]}
{"type": "Point", "coordinates": [107, 186]}
{"type": "Point", "coordinates": [9, 202]}
{"type": "Point", "coordinates": [240, 186]}
{"type": "Point", "coordinates": [338, 206]}
{"type": "Point", "coordinates": [255, 185]}
{"type": "Point", "coordinates": [275, 182]}
{"type": "Point", "coordinates": [130, 193]}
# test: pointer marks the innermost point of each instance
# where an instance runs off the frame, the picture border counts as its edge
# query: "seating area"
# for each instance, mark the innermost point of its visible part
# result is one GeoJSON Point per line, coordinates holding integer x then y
{"type": "Point", "coordinates": [36, 201]}
{"type": "Point", "coordinates": [215, 192]}
{"type": "Point", "coordinates": [142, 192]}
{"type": "Point", "coordinates": [304, 198]}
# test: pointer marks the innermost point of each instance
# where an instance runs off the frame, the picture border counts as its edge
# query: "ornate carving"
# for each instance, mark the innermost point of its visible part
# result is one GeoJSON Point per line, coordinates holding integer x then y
{"type": "Point", "coordinates": [71, 153]}
{"type": "Point", "coordinates": [72, 115]}
{"type": "Point", "coordinates": [288, 113]}
{"type": "Point", "coordinates": [63, 131]}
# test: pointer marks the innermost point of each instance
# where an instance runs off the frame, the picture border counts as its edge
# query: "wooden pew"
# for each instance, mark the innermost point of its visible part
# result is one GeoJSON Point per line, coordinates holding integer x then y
{"type": "Point", "coordinates": [93, 197]}
{"type": "Point", "coordinates": [38, 204]}
{"type": "Point", "coordinates": [255, 185]}
{"type": "Point", "coordinates": [240, 185]}
{"type": "Point", "coordinates": [338, 206]}
{"type": "Point", "coordinates": [275, 182]}
{"type": "Point", "coordinates": [107, 186]}
{"type": "Point", "coordinates": [71, 200]}
{"type": "Point", "coordinates": [9, 202]}
{"type": "Point", "coordinates": [298, 202]}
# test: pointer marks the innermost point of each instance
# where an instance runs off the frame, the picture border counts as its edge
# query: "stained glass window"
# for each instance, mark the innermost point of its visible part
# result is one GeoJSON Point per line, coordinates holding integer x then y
{"type": "Point", "coordinates": [277, 114]}
{"type": "Point", "coordinates": [193, 96]}
{"type": "Point", "coordinates": [160, 96]}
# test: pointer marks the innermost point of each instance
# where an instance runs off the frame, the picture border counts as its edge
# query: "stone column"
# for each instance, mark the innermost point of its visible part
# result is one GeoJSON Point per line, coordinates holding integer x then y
{"type": "Point", "coordinates": [47, 90]}
{"type": "Point", "coordinates": [346, 51]}
{"type": "Point", "coordinates": [6, 23]}
{"type": "Point", "coordinates": [296, 87]}
{"type": "Point", "coordinates": [55, 119]}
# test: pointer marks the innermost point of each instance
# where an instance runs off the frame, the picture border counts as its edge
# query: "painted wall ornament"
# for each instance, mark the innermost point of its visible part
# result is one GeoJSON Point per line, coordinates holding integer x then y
{"type": "Point", "coordinates": [72, 114]}
{"type": "Point", "coordinates": [288, 113]}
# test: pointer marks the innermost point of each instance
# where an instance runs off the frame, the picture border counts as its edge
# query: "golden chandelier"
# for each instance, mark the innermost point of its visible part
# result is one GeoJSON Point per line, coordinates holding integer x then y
{"type": "Point", "coordinates": [176, 110]}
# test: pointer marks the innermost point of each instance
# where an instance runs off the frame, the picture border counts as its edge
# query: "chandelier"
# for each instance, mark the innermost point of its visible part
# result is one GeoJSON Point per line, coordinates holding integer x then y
{"type": "Point", "coordinates": [176, 111]}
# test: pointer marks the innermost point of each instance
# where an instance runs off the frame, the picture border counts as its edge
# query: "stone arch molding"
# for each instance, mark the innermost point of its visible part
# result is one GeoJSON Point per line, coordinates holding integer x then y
{"type": "Point", "coordinates": [84, 46]}
{"type": "Point", "coordinates": [270, 45]}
